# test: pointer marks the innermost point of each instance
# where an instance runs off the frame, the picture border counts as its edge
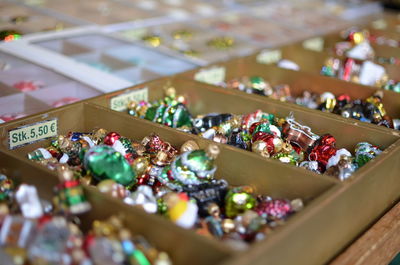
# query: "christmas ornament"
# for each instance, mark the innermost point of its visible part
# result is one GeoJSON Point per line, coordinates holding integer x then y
{"type": "Point", "coordinates": [71, 197]}
{"type": "Point", "coordinates": [180, 209]}
{"type": "Point", "coordinates": [191, 168]}
{"type": "Point", "coordinates": [103, 162]}
{"type": "Point", "coordinates": [239, 200]}
{"type": "Point", "coordinates": [365, 152]}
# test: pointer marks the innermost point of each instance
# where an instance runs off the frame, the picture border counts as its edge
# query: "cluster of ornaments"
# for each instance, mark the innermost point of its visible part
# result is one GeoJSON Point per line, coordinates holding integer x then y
{"type": "Point", "coordinates": [358, 35]}
{"type": "Point", "coordinates": [36, 231]}
{"type": "Point", "coordinates": [357, 65]}
{"type": "Point", "coordinates": [263, 133]}
{"type": "Point", "coordinates": [369, 110]}
{"type": "Point", "coordinates": [355, 61]}
{"type": "Point", "coordinates": [363, 72]}
{"type": "Point", "coordinates": [176, 183]}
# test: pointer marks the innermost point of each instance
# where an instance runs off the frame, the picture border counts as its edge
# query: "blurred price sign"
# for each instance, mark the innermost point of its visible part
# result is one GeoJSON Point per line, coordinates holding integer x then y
{"type": "Point", "coordinates": [213, 75]}
{"type": "Point", "coordinates": [120, 102]}
{"type": "Point", "coordinates": [269, 56]}
{"type": "Point", "coordinates": [31, 133]}
{"type": "Point", "coordinates": [314, 44]}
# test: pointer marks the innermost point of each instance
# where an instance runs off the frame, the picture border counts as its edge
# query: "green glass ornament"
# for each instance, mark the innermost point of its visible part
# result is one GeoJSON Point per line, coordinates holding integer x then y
{"type": "Point", "coordinates": [190, 168]}
{"type": "Point", "coordinates": [365, 152]}
{"type": "Point", "coordinates": [175, 115]}
{"type": "Point", "coordinates": [162, 206]}
{"type": "Point", "coordinates": [104, 162]}
{"type": "Point", "coordinates": [237, 201]}
{"type": "Point", "coordinates": [198, 160]}
{"type": "Point", "coordinates": [182, 117]}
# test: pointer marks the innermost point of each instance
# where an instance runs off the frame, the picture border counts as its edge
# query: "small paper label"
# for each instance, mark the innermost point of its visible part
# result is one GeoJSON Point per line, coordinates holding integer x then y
{"type": "Point", "coordinates": [31, 133]}
{"type": "Point", "coordinates": [213, 76]}
{"type": "Point", "coordinates": [379, 24]}
{"type": "Point", "coordinates": [269, 56]}
{"type": "Point", "coordinates": [120, 102]}
{"type": "Point", "coordinates": [314, 44]}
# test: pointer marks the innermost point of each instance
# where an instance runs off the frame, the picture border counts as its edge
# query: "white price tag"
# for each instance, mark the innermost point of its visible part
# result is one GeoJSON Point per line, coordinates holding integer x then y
{"type": "Point", "coordinates": [31, 133]}
{"type": "Point", "coordinates": [213, 76]}
{"type": "Point", "coordinates": [314, 44]}
{"type": "Point", "coordinates": [269, 56]}
{"type": "Point", "coordinates": [120, 102]}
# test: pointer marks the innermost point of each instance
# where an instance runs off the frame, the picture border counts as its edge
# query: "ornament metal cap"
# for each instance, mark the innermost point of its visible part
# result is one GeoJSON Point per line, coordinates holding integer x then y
{"type": "Point", "coordinates": [212, 151]}
{"type": "Point", "coordinates": [189, 145]}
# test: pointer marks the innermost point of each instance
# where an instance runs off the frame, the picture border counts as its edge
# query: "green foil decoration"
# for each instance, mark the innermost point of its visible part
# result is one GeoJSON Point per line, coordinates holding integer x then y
{"type": "Point", "coordinates": [103, 162]}
{"type": "Point", "coordinates": [175, 115]}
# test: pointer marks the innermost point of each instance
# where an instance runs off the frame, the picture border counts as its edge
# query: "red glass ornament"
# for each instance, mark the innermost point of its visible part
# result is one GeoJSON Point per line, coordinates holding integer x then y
{"type": "Point", "coordinates": [249, 119]}
{"type": "Point", "coordinates": [324, 150]}
{"type": "Point", "coordinates": [344, 97]}
{"type": "Point", "coordinates": [143, 180]}
{"type": "Point", "coordinates": [155, 144]}
{"type": "Point", "coordinates": [327, 139]}
{"type": "Point", "coordinates": [54, 153]}
{"type": "Point", "coordinates": [274, 208]}
{"type": "Point", "coordinates": [266, 138]}
{"type": "Point", "coordinates": [111, 138]}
